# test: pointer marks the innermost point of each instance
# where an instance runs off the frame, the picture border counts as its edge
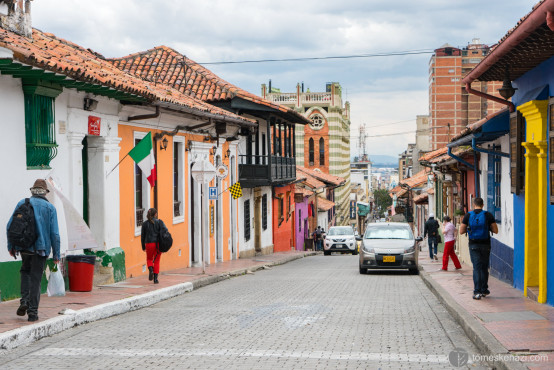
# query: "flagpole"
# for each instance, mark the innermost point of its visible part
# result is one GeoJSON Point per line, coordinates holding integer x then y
{"type": "Point", "coordinates": [126, 155]}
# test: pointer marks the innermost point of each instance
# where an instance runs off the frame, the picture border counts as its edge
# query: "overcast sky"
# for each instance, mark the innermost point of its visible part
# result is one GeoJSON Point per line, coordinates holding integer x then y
{"type": "Point", "coordinates": [381, 90]}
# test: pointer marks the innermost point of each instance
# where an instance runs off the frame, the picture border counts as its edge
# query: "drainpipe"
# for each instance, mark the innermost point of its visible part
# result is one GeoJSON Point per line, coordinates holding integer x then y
{"type": "Point", "coordinates": [472, 166]}
{"type": "Point", "coordinates": [145, 116]}
{"type": "Point", "coordinates": [486, 151]}
{"type": "Point", "coordinates": [510, 105]}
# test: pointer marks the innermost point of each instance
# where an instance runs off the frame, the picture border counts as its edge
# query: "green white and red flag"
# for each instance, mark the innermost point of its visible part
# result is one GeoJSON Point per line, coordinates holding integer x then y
{"type": "Point", "coordinates": [143, 155]}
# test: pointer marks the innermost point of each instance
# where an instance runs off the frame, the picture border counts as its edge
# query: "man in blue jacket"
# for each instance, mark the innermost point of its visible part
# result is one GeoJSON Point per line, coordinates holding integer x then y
{"type": "Point", "coordinates": [34, 258]}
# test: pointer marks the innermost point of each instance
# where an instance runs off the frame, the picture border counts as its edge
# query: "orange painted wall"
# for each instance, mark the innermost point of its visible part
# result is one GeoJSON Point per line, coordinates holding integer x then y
{"type": "Point", "coordinates": [283, 237]}
{"type": "Point", "coordinates": [135, 258]}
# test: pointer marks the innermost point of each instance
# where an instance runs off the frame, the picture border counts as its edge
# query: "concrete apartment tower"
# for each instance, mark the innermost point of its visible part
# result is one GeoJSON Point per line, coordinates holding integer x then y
{"type": "Point", "coordinates": [451, 108]}
{"type": "Point", "coordinates": [325, 143]}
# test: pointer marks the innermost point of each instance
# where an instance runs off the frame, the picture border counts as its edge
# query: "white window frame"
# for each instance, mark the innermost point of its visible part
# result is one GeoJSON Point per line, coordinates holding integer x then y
{"type": "Point", "coordinates": [139, 135]}
{"type": "Point", "coordinates": [180, 140]}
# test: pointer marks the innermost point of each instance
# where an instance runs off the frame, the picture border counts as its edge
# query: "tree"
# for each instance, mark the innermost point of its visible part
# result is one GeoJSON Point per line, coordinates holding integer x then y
{"type": "Point", "coordinates": [382, 200]}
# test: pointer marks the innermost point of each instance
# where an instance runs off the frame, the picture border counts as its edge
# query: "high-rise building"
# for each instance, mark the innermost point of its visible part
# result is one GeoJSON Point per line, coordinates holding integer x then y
{"type": "Point", "coordinates": [325, 143]}
{"type": "Point", "coordinates": [451, 108]}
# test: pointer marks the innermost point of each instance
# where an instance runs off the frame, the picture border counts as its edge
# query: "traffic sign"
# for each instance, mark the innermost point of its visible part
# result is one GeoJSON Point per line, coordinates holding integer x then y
{"type": "Point", "coordinates": [213, 193]}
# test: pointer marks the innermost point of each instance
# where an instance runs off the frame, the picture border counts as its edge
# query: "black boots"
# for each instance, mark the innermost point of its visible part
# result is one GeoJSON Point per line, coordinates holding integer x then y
{"type": "Point", "coordinates": [150, 273]}
{"type": "Point", "coordinates": [156, 279]}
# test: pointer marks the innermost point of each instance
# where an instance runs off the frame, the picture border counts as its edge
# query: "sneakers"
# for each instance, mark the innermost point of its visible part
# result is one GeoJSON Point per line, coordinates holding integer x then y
{"type": "Point", "coordinates": [486, 293]}
{"type": "Point", "coordinates": [22, 310]}
{"type": "Point", "coordinates": [436, 258]}
{"type": "Point", "coordinates": [477, 296]}
{"type": "Point", "coordinates": [32, 318]}
{"type": "Point", "coordinates": [150, 273]}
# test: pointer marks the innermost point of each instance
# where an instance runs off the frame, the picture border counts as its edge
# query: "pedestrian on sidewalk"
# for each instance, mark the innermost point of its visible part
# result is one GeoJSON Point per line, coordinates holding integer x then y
{"type": "Point", "coordinates": [479, 224]}
{"type": "Point", "coordinates": [431, 230]}
{"type": "Point", "coordinates": [449, 231]}
{"type": "Point", "coordinates": [150, 237]}
{"type": "Point", "coordinates": [42, 227]}
{"type": "Point", "coordinates": [318, 238]}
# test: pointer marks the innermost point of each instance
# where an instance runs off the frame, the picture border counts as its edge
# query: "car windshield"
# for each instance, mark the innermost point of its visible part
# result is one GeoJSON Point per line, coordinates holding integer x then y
{"type": "Point", "coordinates": [346, 230]}
{"type": "Point", "coordinates": [388, 232]}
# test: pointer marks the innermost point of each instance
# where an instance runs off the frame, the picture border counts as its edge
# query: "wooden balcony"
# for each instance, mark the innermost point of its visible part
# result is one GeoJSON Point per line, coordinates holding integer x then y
{"type": "Point", "coordinates": [263, 170]}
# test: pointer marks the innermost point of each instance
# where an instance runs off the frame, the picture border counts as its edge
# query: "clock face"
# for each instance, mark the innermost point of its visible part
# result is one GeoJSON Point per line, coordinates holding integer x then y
{"type": "Point", "coordinates": [317, 121]}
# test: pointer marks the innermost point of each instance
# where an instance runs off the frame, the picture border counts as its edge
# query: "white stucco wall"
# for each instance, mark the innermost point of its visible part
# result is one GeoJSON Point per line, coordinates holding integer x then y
{"type": "Point", "coordinates": [267, 235]}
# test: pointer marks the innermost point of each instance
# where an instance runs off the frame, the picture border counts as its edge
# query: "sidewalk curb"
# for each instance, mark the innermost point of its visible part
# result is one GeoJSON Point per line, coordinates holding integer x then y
{"type": "Point", "coordinates": [31, 333]}
{"type": "Point", "coordinates": [478, 334]}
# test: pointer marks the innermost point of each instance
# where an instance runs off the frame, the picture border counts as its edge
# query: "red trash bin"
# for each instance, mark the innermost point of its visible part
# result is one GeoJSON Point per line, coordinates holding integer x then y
{"type": "Point", "coordinates": [81, 272]}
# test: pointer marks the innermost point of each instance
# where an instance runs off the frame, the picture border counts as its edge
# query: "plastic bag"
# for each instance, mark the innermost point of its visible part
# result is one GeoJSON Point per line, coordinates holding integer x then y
{"type": "Point", "coordinates": [56, 285]}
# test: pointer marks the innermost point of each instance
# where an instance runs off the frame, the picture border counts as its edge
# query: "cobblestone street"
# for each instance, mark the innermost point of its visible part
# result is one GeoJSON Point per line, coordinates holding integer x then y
{"type": "Point", "coordinates": [313, 313]}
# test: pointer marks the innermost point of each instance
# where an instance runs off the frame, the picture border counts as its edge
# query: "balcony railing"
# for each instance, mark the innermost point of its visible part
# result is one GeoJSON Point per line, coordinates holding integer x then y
{"type": "Point", "coordinates": [256, 170]}
{"type": "Point", "coordinates": [288, 98]}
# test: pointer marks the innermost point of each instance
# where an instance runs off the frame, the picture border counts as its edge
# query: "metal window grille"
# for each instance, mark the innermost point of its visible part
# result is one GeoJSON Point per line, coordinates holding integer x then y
{"type": "Point", "coordinates": [176, 167]}
{"type": "Point", "coordinates": [139, 209]}
{"type": "Point", "coordinates": [517, 158]}
{"type": "Point", "coordinates": [264, 211]}
{"type": "Point", "coordinates": [247, 220]}
{"type": "Point", "coordinates": [494, 176]}
{"type": "Point", "coordinates": [40, 134]}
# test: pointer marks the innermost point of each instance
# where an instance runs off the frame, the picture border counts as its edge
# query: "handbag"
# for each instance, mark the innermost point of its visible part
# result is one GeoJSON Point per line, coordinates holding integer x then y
{"type": "Point", "coordinates": [165, 240]}
{"type": "Point", "coordinates": [439, 238]}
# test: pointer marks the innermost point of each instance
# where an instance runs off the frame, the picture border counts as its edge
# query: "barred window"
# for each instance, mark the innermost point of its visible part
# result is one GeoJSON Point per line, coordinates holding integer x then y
{"type": "Point", "coordinates": [247, 220]}
{"type": "Point", "coordinates": [517, 158]}
{"type": "Point", "coordinates": [264, 211]}
{"type": "Point", "coordinates": [40, 133]}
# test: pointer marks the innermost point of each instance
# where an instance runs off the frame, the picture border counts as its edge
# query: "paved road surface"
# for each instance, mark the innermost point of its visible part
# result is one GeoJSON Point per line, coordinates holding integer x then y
{"type": "Point", "coordinates": [313, 313]}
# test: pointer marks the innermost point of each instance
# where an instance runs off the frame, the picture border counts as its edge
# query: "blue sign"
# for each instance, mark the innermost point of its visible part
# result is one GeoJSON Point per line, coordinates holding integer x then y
{"type": "Point", "coordinates": [213, 193]}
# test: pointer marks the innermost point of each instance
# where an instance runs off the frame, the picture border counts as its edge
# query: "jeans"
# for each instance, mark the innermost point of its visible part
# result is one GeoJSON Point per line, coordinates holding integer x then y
{"type": "Point", "coordinates": [31, 271]}
{"type": "Point", "coordinates": [432, 241]}
{"type": "Point", "coordinates": [319, 245]}
{"type": "Point", "coordinates": [449, 252]}
{"type": "Point", "coordinates": [480, 255]}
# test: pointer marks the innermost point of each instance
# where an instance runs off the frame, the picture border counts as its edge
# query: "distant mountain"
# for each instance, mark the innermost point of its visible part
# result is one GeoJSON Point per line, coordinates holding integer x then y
{"type": "Point", "coordinates": [384, 160]}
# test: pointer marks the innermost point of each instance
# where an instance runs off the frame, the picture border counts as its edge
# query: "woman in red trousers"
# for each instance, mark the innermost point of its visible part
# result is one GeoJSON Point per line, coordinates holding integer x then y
{"type": "Point", "coordinates": [149, 237]}
{"type": "Point", "coordinates": [449, 232]}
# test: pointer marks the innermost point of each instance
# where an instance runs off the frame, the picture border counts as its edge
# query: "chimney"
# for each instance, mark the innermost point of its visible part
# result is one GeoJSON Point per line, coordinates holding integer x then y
{"type": "Point", "coordinates": [16, 17]}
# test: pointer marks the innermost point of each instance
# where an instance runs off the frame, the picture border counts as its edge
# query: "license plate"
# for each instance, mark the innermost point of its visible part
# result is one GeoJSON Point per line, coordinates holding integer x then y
{"type": "Point", "coordinates": [389, 258]}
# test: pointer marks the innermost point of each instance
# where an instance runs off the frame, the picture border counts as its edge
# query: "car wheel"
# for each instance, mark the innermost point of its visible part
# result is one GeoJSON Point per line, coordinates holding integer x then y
{"type": "Point", "coordinates": [363, 270]}
{"type": "Point", "coordinates": [414, 271]}
{"type": "Point", "coordinates": [326, 253]}
{"type": "Point", "coordinates": [354, 252]}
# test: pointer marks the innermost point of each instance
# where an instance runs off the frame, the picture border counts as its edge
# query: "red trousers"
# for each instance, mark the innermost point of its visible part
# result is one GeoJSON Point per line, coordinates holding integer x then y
{"type": "Point", "coordinates": [153, 256]}
{"type": "Point", "coordinates": [449, 252]}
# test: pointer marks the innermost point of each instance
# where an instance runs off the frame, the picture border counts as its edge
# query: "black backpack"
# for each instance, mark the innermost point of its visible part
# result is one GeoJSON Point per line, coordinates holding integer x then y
{"type": "Point", "coordinates": [22, 232]}
{"type": "Point", "coordinates": [165, 240]}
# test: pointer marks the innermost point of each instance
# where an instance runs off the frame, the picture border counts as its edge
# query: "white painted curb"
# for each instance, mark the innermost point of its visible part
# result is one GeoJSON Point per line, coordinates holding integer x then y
{"type": "Point", "coordinates": [55, 325]}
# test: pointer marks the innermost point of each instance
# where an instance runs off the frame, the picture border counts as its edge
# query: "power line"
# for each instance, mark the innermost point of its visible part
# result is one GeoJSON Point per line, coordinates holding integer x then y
{"type": "Point", "coordinates": [401, 133]}
{"type": "Point", "coordinates": [391, 123]}
{"type": "Point", "coordinates": [306, 59]}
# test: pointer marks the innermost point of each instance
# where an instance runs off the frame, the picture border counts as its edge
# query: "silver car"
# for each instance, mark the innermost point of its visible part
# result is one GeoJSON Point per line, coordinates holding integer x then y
{"type": "Point", "coordinates": [340, 239]}
{"type": "Point", "coordinates": [389, 245]}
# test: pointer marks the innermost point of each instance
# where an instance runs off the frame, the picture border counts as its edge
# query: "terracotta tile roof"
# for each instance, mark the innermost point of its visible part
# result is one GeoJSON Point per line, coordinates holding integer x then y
{"type": "Point", "coordinates": [433, 154]}
{"type": "Point", "coordinates": [312, 182]}
{"type": "Point", "coordinates": [324, 204]}
{"type": "Point", "coordinates": [398, 191]}
{"type": "Point", "coordinates": [459, 151]}
{"type": "Point", "coordinates": [421, 198]}
{"type": "Point", "coordinates": [166, 66]}
{"type": "Point", "coordinates": [50, 53]}
{"type": "Point", "coordinates": [417, 179]}
{"type": "Point", "coordinates": [300, 190]}
{"type": "Point", "coordinates": [321, 176]}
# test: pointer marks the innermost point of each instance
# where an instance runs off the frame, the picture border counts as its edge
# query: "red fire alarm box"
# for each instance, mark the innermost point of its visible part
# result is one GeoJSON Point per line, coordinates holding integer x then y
{"type": "Point", "coordinates": [94, 125]}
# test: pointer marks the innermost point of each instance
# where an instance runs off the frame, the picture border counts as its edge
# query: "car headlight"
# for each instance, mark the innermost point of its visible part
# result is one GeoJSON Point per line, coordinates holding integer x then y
{"type": "Point", "coordinates": [369, 249]}
{"type": "Point", "coordinates": [410, 250]}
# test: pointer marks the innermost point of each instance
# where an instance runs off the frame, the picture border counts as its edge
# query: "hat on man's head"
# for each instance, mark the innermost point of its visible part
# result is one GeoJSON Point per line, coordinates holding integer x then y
{"type": "Point", "coordinates": [40, 183]}
{"type": "Point", "coordinates": [431, 215]}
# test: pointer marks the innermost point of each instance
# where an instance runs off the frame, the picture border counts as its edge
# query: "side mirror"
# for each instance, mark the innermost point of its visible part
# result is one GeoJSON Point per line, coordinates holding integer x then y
{"type": "Point", "coordinates": [358, 238]}
{"type": "Point", "coordinates": [419, 239]}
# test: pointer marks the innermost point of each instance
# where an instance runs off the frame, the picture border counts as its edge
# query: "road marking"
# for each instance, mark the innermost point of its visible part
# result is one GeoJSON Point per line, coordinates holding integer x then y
{"type": "Point", "coordinates": [163, 352]}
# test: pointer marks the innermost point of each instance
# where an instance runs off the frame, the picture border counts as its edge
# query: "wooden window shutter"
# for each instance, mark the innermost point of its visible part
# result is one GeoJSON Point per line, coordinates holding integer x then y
{"type": "Point", "coordinates": [517, 158]}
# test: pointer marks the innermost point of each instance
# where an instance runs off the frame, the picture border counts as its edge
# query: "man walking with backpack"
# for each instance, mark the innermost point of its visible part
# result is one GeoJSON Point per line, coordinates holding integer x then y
{"type": "Point", "coordinates": [431, 230]}
{"type": "Point", "coordinates": [479, 224]}
{"type": "Point", "coordinates": [33, 233]}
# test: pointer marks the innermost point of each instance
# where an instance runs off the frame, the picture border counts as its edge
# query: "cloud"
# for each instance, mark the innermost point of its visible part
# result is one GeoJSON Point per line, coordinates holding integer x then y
{"type": "Point", "coordinates": [383, 89]}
